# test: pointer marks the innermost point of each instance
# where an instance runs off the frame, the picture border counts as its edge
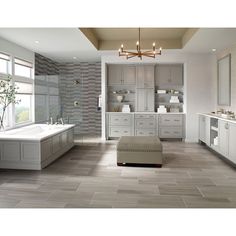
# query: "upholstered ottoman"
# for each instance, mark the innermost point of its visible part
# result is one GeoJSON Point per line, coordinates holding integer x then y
{"type": "Point", "coordinates": [139, 150]}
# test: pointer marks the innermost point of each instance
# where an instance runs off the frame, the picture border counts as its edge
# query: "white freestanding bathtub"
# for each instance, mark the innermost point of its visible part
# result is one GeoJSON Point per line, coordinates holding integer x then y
{"type": "Point", "coordinates": [35, 146]}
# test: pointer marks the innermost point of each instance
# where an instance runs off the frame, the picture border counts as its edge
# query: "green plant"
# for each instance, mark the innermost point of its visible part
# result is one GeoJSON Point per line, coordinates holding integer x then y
{"type": "Point", "coordinates": [8, 93]}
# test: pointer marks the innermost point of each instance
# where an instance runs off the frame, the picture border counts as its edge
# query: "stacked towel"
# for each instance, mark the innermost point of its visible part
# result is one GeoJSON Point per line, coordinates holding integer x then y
{"type": "Point", "coordinates": [174, 99]}
{"type": "Point", "coordinates": [161, 109]}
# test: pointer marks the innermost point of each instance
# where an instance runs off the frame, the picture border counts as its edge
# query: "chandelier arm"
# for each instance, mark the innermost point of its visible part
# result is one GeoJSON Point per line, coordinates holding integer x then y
{"type": "Point", "coordinates": [149, 55]}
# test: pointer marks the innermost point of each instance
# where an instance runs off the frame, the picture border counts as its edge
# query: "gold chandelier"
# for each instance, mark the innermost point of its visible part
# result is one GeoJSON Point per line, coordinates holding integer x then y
{"type": "Point", "coordinates": [151, 53]}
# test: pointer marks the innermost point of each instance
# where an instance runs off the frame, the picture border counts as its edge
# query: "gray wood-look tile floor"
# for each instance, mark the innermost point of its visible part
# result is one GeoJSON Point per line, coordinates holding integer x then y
{"type": "Point", "coordinates": [88, 177]}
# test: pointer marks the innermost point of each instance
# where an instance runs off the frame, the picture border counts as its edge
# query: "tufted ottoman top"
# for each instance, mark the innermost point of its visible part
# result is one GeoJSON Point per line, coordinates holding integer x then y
{"type": "Point", "coordinates": [139, 143]}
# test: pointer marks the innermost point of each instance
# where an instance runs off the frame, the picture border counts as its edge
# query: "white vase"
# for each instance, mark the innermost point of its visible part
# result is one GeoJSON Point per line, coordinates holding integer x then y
{"type": "Point", "coordinates": [119, 98]}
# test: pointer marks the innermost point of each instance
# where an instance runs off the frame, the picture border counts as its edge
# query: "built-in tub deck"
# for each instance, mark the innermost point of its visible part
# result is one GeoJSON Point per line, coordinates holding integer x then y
{"type": "Point", "coordinates": [34, 146]}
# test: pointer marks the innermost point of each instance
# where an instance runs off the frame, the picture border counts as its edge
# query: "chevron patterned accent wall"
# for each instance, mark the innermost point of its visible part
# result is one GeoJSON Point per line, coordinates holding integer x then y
{"type": "Point", "coordinates": [45, 66]}
{"type": "Point", "coordinates": [88, 75]}
{"type": "Point", "coordinates": [81, 83]}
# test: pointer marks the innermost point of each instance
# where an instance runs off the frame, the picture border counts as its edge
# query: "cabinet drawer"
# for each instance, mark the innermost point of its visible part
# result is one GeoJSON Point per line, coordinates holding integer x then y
{"type": "Point", "coordinates": [145, 123]}
{"type": "Point", "coordinates": [118, 119]}
{"type": "Point", "coordinates": [170, 132]}
{"type": "Point", "coordinates": [119, 131]}
{"type": "Point", "coordinates": [140, 116]}
{"type": "Point", "coordinates": [145, 132]}
{"type": "Point", "coordinates": [171, 120]}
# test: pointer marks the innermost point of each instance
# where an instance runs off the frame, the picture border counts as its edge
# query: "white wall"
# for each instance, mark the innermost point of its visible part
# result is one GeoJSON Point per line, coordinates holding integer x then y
{"type": "Point", "coordinates": [16, 50]}
{"type": "Point", "coordinates": [198, 80]}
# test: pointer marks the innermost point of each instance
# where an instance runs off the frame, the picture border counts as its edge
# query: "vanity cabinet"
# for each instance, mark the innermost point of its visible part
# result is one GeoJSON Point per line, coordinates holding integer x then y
{"type": "Point", "coordinates": [121, 75]}
{"type": "Point", "coordinates": [169, 74]}
{"type": "Point", "coordinates": [145, 76]}
{"type": "Point", "coordinates": [226, 136]}
{"type": "Point", "coordinates": [232, 141]}
{"type": "Point", "coordinates": [223, 138]}
{"type": "Point", "coordinates": [204, 129]}
{"type": "Point", "coordinates": [145, 100]}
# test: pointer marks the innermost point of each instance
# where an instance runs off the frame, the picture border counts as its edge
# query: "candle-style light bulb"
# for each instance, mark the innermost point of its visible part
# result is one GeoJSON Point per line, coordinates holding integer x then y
{"type": "Point", "coordinates": [153, 46]}
{"type": "Point", "coordinates": [160, 48]}
{"type": "Point", "coordinates": [137, 43]}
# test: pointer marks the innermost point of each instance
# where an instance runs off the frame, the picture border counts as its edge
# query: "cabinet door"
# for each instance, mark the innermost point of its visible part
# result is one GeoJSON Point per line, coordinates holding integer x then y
{"type": "Point", "coordinates": [150, 100]}
{"type": "Point", "coordinates": [140, 76]}
{"type": "Point", "coordinates": [145, 76]}
{"type": "Point", "coordinates": [207, 131]}
{"type": "Point", "coordinates": [163, 75]}
{"type": "Point", "coordinates": [202, 128]}
{"type": "Point", "coordinates": [223, 138]}
{"type": "Point", "coordinates": [129, 75]}
{"type": "Point", "coordinates": [232, 146]}
{"type": "Point", "coordinates": [115, 75]}
{"type": "Point", "coordinates": [149, 76]}
{"type": "Point", "coordinates": [141, 100]}
{"type": "Point", "coordinates": [176, 75]}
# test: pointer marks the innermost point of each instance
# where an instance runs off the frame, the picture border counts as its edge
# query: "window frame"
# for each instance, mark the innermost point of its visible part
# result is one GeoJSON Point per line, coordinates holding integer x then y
{"type": "Point", "coordinates": [10, 113]}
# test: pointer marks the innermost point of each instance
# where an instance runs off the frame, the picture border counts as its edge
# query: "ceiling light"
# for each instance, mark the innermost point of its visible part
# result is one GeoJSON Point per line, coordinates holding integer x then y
{"type": "Point", "coordinates": [75, 58]}
{"type": "Point", "coordinates": [36, 41]}
{"type": "Point", "coordinates": [150, 53]}
{"type": "Point", "coordinates": [213, 49]}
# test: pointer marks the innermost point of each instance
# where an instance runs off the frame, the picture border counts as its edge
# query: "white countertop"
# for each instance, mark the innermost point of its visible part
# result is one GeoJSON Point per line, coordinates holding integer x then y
{"type": "Point", "coordinates": [150, 113]}
{"type": "Point", "coordinates": [218, 117]}
{"type": "Point", "coordinates": [25, 133]}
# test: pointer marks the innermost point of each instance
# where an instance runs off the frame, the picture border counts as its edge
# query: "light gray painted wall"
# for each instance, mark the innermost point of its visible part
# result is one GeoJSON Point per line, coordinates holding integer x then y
{"type": "Point", "coordinates": [16, 50]}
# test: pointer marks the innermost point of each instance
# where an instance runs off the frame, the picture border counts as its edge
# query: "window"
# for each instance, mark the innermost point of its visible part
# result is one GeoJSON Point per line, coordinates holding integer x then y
{"type": "Point", "coordinates": [23, 68]}
{"type": "Point", "coordinates": [4, 63]}
{"type": "Point", "coordinates": [23, 112]}
{"type": "Point", "coordinates": [23, 109]}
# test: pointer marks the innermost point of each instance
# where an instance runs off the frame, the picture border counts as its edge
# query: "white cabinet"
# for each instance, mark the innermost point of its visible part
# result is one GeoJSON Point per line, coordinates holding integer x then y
{"type": "Point", "coordinates": [232, 142]}
{"type": "Point", "coordinates": [145, 100]}
{"type": "Point", "coordinates": [145, 125]}
{"type": "Point", "coordinates": [223, 138]}
{"type": "Point", "coordinates": [171, 75]}
{"type": "Point", "coordinates": [121, 75]}
{"type": "Point", "coordinates": [171, 126]}
{"type": "Point", "coordinates": [145, 76]}
{"type": "Point", "coordinates": [204, 129]}
{"type": "Point", "coordinates": [129, 75]}
{"type": "Point", "coordinates": [114, 75]}
{"type": "Point", "coordinates": [120, 124]}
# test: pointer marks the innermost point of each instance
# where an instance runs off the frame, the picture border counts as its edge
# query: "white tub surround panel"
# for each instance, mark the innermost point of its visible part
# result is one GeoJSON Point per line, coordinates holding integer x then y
{"type": "Point", "coordinates": [35, 146]}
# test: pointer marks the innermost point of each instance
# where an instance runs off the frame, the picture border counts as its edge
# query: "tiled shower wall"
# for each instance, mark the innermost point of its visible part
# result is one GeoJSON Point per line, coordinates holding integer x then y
{"type": "Point", "coordinates": [86, 116]}
{"type": "Point", "coordinates": [86, 92]}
